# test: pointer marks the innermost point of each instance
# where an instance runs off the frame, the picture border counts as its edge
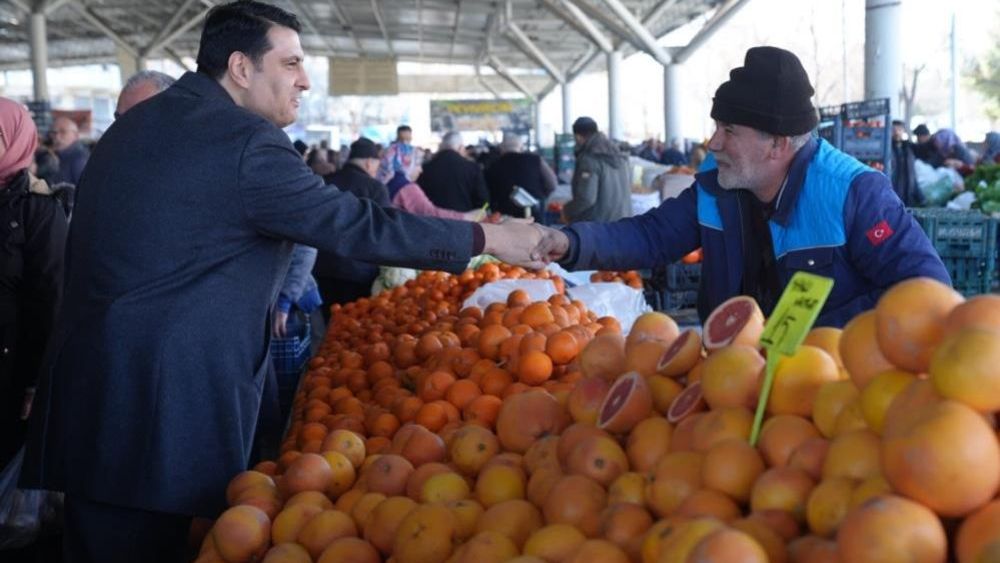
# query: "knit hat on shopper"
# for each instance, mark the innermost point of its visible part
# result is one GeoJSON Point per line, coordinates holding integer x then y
{"type": "Point", "coordinates": [770, 92]}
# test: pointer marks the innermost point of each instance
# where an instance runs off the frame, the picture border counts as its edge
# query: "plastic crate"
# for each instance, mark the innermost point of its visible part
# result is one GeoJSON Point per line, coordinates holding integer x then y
{"type": "Point", "coordinates": [966, 241]}
{"type": "Point", "coordinates": [866, 133]}
{"type": "Point", "coordinates": [958, 234]}
{"type": "Point", "coordinates": [683, 277]}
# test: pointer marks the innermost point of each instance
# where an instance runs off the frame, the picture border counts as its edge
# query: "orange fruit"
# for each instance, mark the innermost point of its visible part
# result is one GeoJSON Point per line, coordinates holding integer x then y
{"type": "Point", "coordinates": [978, 537]}
{"type": "Point", "coordinates": [878, 395]}
{"type": "Point", "coordinates": [534, 368]}
{"type": "Point", "coordinates": [731, 377]}
{"type": "Point", "coordinates": [891, 528]}
{"type": "Point", "coordinates": [727, 545]}
{"type": "Point", "coordinates": [797, 380]}
{"type": "Point", "coordinates": [731, 467]}
{"type": "Point", "coordinates": [241, 533]}
{"type": "Point", "coordinates": [781, 435]}
{"type": "Point", "coordinates": [854, 455]}
{"type": "Point", "coordinates": [959, 468]}
{"type": "Point", "coordinates": [860, 351]}
{"type": "Point", "coordinates": [576, 500]}
{"type": "Point", "coordinates": [828, 504]}
{"type": "Point", "coordinates": [349, 549]}
{"type": "Point", "coordinates": [831, 400]}
{"type": "Point", "coordinates": [964, 368]}
{"type": "Point", "coordinates": [498, 483]}
{"type": "Point", "coordinates": [555, 542]}
{"type": "Point", "coordinates": [782, 488]}
{"type": "Point", "coordinates": [909, 320]}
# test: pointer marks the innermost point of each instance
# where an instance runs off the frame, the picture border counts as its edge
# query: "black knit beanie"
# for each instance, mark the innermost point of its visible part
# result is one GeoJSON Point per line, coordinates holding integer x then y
{"type": "Point", "coordinates": [770, 92]}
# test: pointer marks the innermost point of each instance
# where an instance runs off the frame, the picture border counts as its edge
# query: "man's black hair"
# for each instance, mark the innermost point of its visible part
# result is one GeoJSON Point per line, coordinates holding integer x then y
{"type": "Point", "coordinates": [239, 27]}
{"type": "Point", "coordinates": [402, 128]}
{"type": "Point", "coordinates": [898, 122]}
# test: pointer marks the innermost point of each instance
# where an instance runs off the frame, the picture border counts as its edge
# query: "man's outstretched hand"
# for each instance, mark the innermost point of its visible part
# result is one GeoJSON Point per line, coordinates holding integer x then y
{"type": "Point", "coordinates": [552, 247]}
{"type": "Point", "coordinates": [525, 244]}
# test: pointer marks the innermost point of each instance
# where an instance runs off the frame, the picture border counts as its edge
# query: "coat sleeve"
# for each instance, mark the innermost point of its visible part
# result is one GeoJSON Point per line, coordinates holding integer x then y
{"type": "Point", "coordinates": [585, 183]}
{"type": "Point", "coordinates": [297, 278]}
{"type": "Point", "coordinates": [660, 236]}
{"type": "Point", "coordinates": [282, 198]}
{"type": "Point", "coordinates": [44, 246]}
{"type": "Point", "coordinates": [884, 242]}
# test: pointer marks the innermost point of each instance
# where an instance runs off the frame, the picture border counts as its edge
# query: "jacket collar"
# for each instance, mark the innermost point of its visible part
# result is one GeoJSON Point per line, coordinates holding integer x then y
{"type": "Point", "coordinates": [203, 85]}
{"type": "Point", "coordinates": [789, 195]}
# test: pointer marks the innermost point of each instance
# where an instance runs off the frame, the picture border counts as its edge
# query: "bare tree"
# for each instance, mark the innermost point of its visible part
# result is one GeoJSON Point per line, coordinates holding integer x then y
{"type": "Point", "coordinates": [908, 95]}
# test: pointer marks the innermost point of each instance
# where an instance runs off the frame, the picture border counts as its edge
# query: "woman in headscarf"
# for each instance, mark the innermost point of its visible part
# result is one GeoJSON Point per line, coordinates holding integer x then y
{"type": "Point", "coordinates": [32, 238]}
{"type": "Point", "coordinates": [950, 151]}
{"type": "Point", "coordinates": [991, 149]}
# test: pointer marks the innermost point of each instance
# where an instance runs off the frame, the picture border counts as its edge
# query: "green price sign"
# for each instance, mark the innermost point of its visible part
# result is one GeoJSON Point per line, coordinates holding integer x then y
{"type": "Point", "coordinates": [787, 327]}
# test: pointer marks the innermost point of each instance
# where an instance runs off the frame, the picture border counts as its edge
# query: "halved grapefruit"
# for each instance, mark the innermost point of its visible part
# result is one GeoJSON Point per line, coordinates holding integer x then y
{"type": "Point", "coordinates": [682, 355]}
{"type": "Point", "coordinates": [628, 402]}
{"type": "Point", "coordinates": [687, 403]}
{"type": "Point", "coordinates": [737, 321]}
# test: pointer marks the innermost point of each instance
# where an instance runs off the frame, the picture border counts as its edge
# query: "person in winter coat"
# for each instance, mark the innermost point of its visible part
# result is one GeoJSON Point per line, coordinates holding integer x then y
{"type": "Point", "coordinates": [32, 238]}
{"type": "Point", "coordinates": [949, 150]}
{"type": "Point", "coordinates": [342, 280]}
{"type": "Point", "coordinates": [904, 177]}
{"type": "Point", "coordinates": [451, 180]}
{"type": "Point", "coordinates": [516, 168]}
{"type": "Point", "coordinates": [991, 149]}
{"type": "Point", "coordinates": [601, 177]}
{"type": "Point", "coordinates": [772, 201]}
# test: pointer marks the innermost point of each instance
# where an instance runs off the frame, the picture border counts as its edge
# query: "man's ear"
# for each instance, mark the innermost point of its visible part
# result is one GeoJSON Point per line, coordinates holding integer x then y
{"type": "Point", "coordinates": [779, 144]}
{"type": "Point", "coordinates": [239, 69]}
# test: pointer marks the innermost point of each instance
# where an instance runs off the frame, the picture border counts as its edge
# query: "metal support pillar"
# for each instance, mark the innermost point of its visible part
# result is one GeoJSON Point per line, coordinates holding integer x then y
{"type": "Point", "coordinates": [39, 56]}
{"type": "Point", "coordinates": [672, 128]}
{"type": "Point", "coordinates": [615, 127]}
{"type": "Point", "coordinates": [567, 110]}
{"type": "Point", "coordinates": [883, 51]}
{"type": "Point", "coordinates": [538, 124]}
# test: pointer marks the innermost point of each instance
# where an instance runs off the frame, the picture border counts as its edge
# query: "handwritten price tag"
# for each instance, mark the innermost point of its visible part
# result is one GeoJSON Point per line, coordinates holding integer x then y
{"type": "Point", "coordinates": [787, 327]}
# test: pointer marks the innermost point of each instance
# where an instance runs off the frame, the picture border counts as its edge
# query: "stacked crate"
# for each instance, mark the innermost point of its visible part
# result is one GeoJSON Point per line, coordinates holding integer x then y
{"type": "Point", "coordinates": [967, 244]}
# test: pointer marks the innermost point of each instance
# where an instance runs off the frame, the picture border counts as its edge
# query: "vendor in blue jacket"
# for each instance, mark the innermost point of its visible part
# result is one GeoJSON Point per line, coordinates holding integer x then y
{"type": "Point", "coordinates": [775, 201]}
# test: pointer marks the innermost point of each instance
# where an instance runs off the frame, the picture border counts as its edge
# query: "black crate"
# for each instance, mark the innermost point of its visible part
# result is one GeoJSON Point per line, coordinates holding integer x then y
{"type": "Point", "coordinates": [668, 301]}
{"type": "Point", "coordinates": [683, 277]}
{"type": "Point", "coordinates": [291, 353]}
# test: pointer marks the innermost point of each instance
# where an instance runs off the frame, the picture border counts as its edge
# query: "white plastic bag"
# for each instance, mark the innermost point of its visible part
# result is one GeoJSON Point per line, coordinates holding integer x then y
{"type": "Point", "coordinates": [612, 299]}
{"type": "Point", "coordinates": [497, 292]}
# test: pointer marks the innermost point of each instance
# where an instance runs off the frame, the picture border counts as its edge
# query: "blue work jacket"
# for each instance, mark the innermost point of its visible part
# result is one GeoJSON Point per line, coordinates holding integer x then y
{"type": "Point", "coordinates": [835, 217]}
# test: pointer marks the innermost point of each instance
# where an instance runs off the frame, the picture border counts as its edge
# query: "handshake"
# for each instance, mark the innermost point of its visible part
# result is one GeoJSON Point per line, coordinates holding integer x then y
{"type": "Point", "coordinates": [524, 243]}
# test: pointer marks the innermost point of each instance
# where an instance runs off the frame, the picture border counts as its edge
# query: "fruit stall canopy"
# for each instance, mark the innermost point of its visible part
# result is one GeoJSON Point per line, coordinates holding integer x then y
{"type": "Point", "coordinates": [558, 39]}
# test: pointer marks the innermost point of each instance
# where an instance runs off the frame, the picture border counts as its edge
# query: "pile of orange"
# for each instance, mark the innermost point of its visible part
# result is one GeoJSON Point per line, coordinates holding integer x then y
{"type": "Point", "coordinates": [630, 278]}
{"type": "Point", "coordinates": [478, 438]}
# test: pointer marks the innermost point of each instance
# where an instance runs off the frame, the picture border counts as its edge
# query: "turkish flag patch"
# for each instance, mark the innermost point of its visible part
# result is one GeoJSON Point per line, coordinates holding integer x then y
{"type": "Point", "coordinates": [879, 233]}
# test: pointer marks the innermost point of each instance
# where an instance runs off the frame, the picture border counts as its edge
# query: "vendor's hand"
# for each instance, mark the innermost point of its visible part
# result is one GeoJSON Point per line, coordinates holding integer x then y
{"type": "Point", "coordinates": [514, 242]}
{"type": "Point", "coordinates": [553, 246]}
{"type": "Point", "coordinates": [279, 322]}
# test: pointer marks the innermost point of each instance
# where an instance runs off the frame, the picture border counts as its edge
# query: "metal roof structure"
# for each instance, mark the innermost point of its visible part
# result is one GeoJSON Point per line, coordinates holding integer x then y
{"type": "Point", "coordinates": [561, 37]}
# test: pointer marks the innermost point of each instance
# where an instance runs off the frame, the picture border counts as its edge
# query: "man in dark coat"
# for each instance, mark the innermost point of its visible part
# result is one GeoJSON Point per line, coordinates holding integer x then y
{"type": "Point", "coordinates": [149, 395]}
{"type": "Point", "coordinates": [904, 176]}
{"type": "Point", "coordinates": [516, 168]}
{"type": "Point", "coordinates": [452, 181]}
{"type": "Point", "coordinates": [72, 154]}
{"type": "Point", "coordinates": [342, 280]}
